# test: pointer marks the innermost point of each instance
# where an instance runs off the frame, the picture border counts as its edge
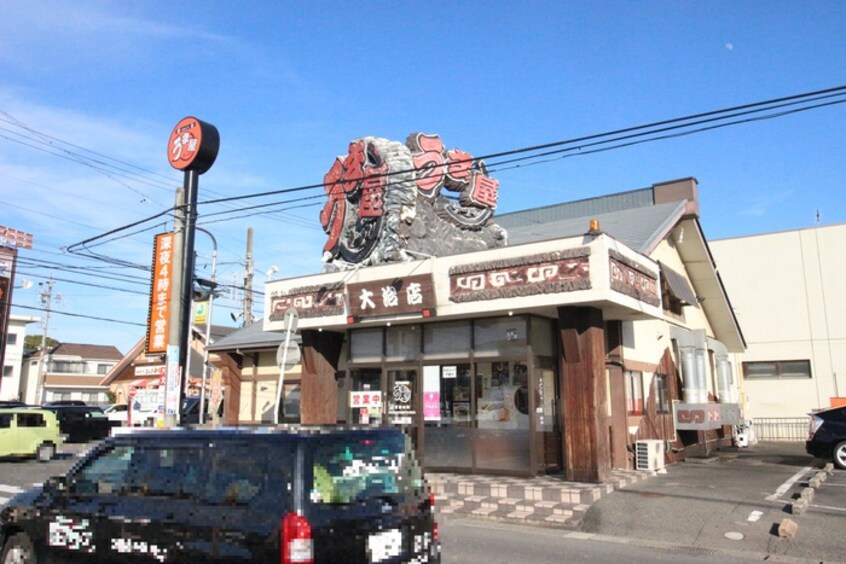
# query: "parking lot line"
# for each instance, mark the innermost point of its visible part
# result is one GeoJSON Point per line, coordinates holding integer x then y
{"type": "Point", "coordinates": [788, 484]}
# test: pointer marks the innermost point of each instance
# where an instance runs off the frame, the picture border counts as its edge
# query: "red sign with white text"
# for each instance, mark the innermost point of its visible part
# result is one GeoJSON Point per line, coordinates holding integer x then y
{"type": "Point", "coordinates": [159, 315]}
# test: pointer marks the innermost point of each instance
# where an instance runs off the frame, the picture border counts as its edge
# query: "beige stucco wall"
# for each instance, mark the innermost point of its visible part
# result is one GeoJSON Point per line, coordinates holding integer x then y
{"type": "Point", "coordinates": [786, 289]}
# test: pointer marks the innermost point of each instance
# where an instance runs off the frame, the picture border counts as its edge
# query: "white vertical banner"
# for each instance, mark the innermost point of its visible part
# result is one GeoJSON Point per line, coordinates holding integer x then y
{"type": "Point", "coordinates": [172, 381]}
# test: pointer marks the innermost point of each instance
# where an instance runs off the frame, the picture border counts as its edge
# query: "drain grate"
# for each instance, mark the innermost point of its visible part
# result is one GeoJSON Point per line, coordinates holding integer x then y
{"type": "Point", "coordinates": [693, 550]}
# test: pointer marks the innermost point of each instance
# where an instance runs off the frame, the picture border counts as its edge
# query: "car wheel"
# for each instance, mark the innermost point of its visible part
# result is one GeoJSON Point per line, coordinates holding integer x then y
{"type": "Point", "coordinates": [18, 550]}
{"type": "Point", "coordinates": [45, 453]}
{"type": "Point", "coordinates": [840, 455]}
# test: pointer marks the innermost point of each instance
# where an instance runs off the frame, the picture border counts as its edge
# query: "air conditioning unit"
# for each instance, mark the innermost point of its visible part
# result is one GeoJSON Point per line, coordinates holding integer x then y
{"type": "Point", "coordinates": [649, 455]}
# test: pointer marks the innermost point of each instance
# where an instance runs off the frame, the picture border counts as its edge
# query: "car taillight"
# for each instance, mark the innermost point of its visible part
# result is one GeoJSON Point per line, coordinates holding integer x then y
{"type": "Point", "coordinates": [297, 544]}
{"type": "Point", "coordinates": [434, 523]}
{"type": "Point", "coordinates": [814, 425]}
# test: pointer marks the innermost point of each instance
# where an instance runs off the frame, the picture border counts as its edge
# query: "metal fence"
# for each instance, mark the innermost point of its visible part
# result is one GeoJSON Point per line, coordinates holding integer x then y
{"type": "Point", "coordinates": [780, 428]}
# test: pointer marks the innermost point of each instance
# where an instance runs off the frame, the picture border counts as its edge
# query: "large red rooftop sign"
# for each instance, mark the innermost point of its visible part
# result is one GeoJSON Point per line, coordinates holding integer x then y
{"type": "Point", "coordinates": [385, 200]}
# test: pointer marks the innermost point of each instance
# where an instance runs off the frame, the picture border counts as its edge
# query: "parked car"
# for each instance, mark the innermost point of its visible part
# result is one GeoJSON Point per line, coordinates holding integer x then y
{"type": "Point", "coordinates": [6, 404]}
{"type": "Point", "coordinates": [191, 411]}
{"type": "Point", "coordinates": [64, 402]}
{"type": "Point", "coordinates": [29, 432]}
{"type": "Point", "coordinates": [827, 435]}
{"type": "Point", "coordinates": [81, 423]}
{"type": "Point", "coordinates": [118, 412]}
{"type": "Point", "coordinates": [281, 494]}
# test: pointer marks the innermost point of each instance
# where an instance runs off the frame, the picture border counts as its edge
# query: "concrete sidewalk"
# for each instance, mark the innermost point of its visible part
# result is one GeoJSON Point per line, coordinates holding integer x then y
{"type": "Point", "coordinates": [548, 501]}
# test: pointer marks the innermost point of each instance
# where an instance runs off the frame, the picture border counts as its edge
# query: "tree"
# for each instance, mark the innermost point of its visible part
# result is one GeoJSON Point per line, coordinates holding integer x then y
{"type": "Point", "coordinates": [33, 342]}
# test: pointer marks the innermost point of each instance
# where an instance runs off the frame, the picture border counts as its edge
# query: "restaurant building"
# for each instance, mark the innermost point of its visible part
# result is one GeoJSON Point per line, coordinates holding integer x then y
{"type": "Point", "coordinates": [567, 338]}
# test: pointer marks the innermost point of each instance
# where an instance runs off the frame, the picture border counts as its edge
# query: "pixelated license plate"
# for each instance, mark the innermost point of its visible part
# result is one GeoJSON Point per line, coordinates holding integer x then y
{"type": "Point", "coordinates": [384, 545]}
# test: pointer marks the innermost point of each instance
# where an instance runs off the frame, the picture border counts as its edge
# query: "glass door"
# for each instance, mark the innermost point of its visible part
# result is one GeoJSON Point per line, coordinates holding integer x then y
{"type": "Point", "coordinates": [366, 397]}
{"type": "Point", "coordinates": [447, 415]}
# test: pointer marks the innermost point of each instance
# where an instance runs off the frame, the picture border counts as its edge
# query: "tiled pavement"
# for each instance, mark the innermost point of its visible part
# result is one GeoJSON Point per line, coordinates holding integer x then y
{"type": "Point", "coordinates": [548, 501]}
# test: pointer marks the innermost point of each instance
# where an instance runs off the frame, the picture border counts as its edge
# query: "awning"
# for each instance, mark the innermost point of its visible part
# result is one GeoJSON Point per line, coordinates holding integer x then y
{"type": "Point", "coordinates": [144, 383]}
{"type": "Point", "coordinates": [679, 286]}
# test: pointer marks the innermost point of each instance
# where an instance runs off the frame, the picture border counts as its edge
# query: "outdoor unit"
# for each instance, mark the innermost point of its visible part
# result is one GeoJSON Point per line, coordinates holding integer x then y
{"type": "Point", "coordinates": [649, 455]}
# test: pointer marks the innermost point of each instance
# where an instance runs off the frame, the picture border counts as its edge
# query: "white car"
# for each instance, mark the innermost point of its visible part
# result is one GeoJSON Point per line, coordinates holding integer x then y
{"type": "Point", "coordinates": [117, 412]}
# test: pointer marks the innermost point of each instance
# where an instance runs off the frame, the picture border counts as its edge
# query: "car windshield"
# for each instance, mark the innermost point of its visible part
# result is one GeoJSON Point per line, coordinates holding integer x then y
{"type": "Point", "coordinates": [363, 467]}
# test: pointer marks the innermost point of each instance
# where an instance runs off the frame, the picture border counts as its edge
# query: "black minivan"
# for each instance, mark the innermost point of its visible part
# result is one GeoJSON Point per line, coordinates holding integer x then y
{"type": "Point", "coordinates": [281, 494]}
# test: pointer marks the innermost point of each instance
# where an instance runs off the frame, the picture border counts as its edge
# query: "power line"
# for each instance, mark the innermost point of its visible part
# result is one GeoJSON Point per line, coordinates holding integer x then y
{"type": "Point", "coordinates": [79, 315]}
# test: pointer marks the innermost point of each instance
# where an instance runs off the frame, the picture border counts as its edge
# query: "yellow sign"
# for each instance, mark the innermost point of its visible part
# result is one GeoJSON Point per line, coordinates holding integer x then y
{"type": "Point", "coordinates": [201, 310]}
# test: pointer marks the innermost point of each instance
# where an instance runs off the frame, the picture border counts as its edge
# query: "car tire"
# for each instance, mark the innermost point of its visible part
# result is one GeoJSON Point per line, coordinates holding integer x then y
{"type": "Point", "coordinates": [45, 453]}
{"type": "Point", "coordinates": [18, 550]}
{"type": "Point", "coordinates": [839, 455]}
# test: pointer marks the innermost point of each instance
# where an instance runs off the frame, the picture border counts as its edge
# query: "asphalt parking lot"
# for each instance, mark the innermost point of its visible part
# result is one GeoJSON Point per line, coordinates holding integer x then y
{"type": "Point", "coordinates": [732, 501]}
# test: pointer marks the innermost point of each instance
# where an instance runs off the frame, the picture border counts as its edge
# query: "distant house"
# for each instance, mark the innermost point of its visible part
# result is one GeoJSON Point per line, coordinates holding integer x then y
{"type": "Point", "coordinates": [137, 369]}
{"type": "Point", "coordinates": [10, 383]}
{"type": "Point", "coordinates": [70, 371]}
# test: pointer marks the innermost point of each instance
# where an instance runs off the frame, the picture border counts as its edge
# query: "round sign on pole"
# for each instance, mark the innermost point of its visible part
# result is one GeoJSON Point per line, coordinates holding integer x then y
{"type": "Point", "coordinates": [291, 359]}
{"type": "Point", "coordinates": [193, 145]}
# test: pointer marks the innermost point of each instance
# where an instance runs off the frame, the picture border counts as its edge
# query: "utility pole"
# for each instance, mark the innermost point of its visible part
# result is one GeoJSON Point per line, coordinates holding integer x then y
{"type": "Point", "coordinates": [46, 301]}
{"type": "Point", "coordinates": [248, 281]}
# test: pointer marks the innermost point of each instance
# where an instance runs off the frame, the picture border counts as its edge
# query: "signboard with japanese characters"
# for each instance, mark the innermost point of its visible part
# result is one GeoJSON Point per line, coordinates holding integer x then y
{"type": "Point", "coordinates": [310, 302]}
{"type": "Point", "coordinates": [409, 294]}
{"type": "Point", "coordinates": [159, 313]}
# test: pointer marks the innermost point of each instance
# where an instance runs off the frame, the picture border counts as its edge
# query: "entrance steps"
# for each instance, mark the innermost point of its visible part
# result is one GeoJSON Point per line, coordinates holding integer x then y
{"type": "Point", "coordinates": [549, 500]}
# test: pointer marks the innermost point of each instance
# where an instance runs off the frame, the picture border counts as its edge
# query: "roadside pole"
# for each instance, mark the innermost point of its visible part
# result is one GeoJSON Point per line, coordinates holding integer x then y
{"type": "Point", "coordinates": [287, 356]}
{"type": "Point", "coordinates": [192, 148]}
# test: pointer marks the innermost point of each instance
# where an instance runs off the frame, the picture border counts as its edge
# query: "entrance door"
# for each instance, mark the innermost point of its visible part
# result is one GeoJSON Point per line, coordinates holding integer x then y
{"type": "Point", "coordinates": [403, 398]}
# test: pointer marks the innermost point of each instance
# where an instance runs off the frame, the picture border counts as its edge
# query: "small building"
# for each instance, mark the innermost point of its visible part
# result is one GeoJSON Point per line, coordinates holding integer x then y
{"type": "Point", "coordinates": [10, 383]}
{"type": "Point", "coordinates": [69, 371]}
{"type": "Point", "coordinates": [786, 286]}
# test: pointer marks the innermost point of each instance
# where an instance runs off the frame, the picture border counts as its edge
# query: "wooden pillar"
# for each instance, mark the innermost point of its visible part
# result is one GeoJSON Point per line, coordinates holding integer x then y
{"type": "Point", "coordinates": [587, 454]}
{"type": "Point", "coordinates": [231, 380]}
{"type": "Point", "coordinates": [319, 391]}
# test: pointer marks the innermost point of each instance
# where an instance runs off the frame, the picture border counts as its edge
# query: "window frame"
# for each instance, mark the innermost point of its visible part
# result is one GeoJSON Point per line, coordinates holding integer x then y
{"type": "Point", "coordinates": [633, 378]}
{"type": "Point", "coordinates": [777, 373]}
{"type": "Point", "coordinates": [662, 392]}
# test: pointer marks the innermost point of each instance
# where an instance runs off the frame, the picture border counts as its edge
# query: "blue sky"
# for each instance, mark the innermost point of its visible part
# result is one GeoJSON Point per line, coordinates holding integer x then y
{"type": "Point", "coordinates": [289, 84]}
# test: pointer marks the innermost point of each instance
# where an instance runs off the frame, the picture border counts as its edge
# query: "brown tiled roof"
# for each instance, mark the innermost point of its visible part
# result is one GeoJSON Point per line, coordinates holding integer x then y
{"type": "Point", "coordinates": [86, 352]}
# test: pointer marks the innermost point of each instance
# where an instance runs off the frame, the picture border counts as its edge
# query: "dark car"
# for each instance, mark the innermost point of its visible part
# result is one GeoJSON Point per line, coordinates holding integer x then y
{"type": "Point", "coordinates": [82, 423]}
{"type": "Point", "coordinates": [827, 435]}
{"type": "Point", "coordinates": [281, 494]}
{"type": "Point", "coordinates": [64, 402]}
{"type": "Point", "coordinates": [191, 411]}
{"type": "Point", "coordinates": [8, 404]}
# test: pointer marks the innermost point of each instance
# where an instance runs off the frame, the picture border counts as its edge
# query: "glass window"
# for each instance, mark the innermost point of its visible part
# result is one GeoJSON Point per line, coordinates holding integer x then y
{"type": "Point", "coordinates": [777, 369]}
{"type": "Point", "coordinates": [7, 371]}
{"type": "Point", "coordinates": [500, 337]}
{"type": "Point", "coordinates": [370, 467]}
{"type": "Point", "coordinates": [402, 342]}
{"type": "Point", "coordinates": [542, 340]}
{"type": "Point", "coordinates": [446, 339]}
{"type": "Point", "coordinates": [634, 392]}
{"type": "Point", "coordinates": [11, 339]}
{"type": "Point", "coordinates": [366, 345]}
{"type": "Point", "coordinates": [662, 393]}
{"type": "Point", "coordinates": [5, 420]}
{"type": "Point", "coordinates": [103, 368]}
{"type": "Point", "coordinates": [448, 418]}
{"type": "Point", "coordinates": [106, 474]}
{"type": "Point", "coordinates": [31, 420]}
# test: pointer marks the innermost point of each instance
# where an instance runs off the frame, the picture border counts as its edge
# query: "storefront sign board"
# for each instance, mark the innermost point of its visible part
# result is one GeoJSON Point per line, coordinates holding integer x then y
{"type": "Point", "coordinates": [630, 278]}
{"type": "Point", "coordinates": [309, 301]}
{"type": "Point", "coordinates": [396, 296]}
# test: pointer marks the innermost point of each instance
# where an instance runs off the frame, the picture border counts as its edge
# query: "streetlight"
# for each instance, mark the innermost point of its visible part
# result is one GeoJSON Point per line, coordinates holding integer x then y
{"type": "Point", "coordinates": [211, 285]}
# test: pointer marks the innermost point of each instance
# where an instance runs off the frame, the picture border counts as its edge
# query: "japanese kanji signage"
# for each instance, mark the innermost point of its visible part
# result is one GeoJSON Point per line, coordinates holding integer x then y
{"type": "Point", "coordinates": [193, 145]}
{"type": "Point", "coordinates": [159, 313]}
{"type": "Point", "coordinates": [632, 279]}
{"type": "Point", "coordinates": [560, 271]}
{"type": "Point", "coordinates": [410, 294]}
